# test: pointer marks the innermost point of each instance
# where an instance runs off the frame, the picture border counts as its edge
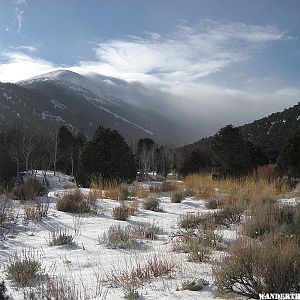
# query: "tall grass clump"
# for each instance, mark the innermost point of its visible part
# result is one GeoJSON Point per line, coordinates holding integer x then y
{"type": "Point", "coordinates": [233, 190]}
{"type": "Point", "coordinates": [121, 212]}
{"type": "Point", "coordinates": [116, 191]}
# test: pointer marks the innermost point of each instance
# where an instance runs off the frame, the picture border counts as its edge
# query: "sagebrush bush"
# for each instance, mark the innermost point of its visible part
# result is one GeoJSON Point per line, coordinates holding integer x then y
{"type": "Point", "coordinates": [177, 197]}
{"type": "Point", "coordinates": [191, 220]}
{"type": "Point", "coordinates": [145, 230]}
{"type": "Point", "coordinates": [127, 236]}
{"type": "Point", "coordinates": [198, 243]}
{"type": "Point", "coordinates": [25, 268]}
{"type": "Point", "coordinates": [252, 267]}
{"type": "Point", "coordinates": [121, 212]}
{"type": "Point", "coordinates": [269, 217]}
{"type": "Point", "coordinates": [73, 202]}
{"type": "Point", "coordinates": [151, 203]}
{"type": "Point", "coordinates": [197, 250]}
{"type": "Point", "coordinates": [118, 237]}
{"type": "Point", "coordinates": [61, 237]}
{"type": "Point", "coordinates": [30, 189]}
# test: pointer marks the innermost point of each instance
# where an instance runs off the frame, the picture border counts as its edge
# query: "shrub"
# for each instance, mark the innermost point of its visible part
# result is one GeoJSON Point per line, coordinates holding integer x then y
{"type": "Point", "coordinates": [29, 190]}
{"type": "Point", "coordinates": [126, 236]}
{"type": "Point", "coordinates": [36, 211]}
{"type": "Point", "coordinates": [7, 213]}
{"type": "Point", "coordinates": [252, 267]}
{"type": "Point", "coordinates": [269, 218]}
{"type": "Point", "coordinates": [145, 230]}
{"type": "Point", "coordinates": [121, 212]}
{"type": "Point", "coordinates": [151, 203]}
{"type": "Point", "coordinates": [73, 202]}
{"type": "Point", "coordinates": [60, 237]}
{"type": "Point", "coordinates": [23, 269]}
{"type": "Point", "coordinates": [192, 221]}
{"type": "Point", "coordinates": [213, 202]}
{"type": "Point", "coordinates": [133, 208]}
{"type": "Point", "coordinates": [198, 243]}
{"type": "Point", "coordinates": [177, 197]}
{"type": "Point", "coordinates": [118, 237]}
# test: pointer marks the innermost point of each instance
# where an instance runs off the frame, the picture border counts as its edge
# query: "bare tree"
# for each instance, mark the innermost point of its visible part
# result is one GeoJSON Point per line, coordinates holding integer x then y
{"type": "Point", "coordinates": [53, 150]}
{"type": "Point", "coordinates": [26, 149]}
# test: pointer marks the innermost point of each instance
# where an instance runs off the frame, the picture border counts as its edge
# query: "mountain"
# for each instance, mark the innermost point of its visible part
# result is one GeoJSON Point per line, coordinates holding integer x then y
{"type": "Point", "coordinates": [269, 133]}
{"type": "Point", "coordinates": [83, 103]}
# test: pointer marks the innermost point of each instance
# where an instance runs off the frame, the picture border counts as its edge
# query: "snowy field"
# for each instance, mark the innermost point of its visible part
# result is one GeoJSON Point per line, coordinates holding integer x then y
{"type": "Point", "coordinates": [89, 263]}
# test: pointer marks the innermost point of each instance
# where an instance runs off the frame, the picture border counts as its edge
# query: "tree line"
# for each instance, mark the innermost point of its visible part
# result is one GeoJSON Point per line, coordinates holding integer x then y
{"type": "Point", "coordinates": [107, 154]}
{"type": "Point", "coordinates": [229, 153]}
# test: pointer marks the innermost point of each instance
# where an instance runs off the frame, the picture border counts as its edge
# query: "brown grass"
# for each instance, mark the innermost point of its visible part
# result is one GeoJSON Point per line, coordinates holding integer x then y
{"type": "Point", "coordinates": [121, 212]}
{"type": "Point", "coordinates": [139, 192]}
{"type": "Point", "coordinates": [137, 273]}
{"type": "Point", "coordinates": [233, 190]}
{"type": "Point", "coordinates": [73, 202]}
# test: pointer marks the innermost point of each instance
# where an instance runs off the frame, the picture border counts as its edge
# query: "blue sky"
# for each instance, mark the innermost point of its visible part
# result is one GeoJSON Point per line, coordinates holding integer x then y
{"type": "Point", "coordinates": [217, 49]}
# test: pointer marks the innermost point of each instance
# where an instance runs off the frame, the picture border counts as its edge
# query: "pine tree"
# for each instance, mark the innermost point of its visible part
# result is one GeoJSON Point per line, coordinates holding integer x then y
{"type": "Point", "coordinates": [230, 155]}
{"type": "Point", "coordinates": [107, 156]}
{"type": "Point", "coordinates": [288, 161]}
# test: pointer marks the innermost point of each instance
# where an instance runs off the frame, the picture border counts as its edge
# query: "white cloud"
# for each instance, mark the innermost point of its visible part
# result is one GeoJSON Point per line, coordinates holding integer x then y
{"type": "Point", "coordinates": [19, 13]}
{"type": "Point", "coordinates": [187, 55]}
{"type": "Point", "coordinates": [177, 66]}
{"type": "Point", "coordinates": [19, 66]}
{"type": "Point", "coordinates": [27, 48]}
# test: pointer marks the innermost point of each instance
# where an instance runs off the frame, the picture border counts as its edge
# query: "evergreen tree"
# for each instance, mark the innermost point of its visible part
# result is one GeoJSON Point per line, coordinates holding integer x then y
{"type": "Point", "coordinates": [107, 156]}
{"type": "Point", "coordinates": [65, 149]}
{"type": "Point", "coordinates": [288, 161]}
{"type": "Point", "coordinates": [196, 162]}
{"type": "Point", "coordinates": [229, 150]}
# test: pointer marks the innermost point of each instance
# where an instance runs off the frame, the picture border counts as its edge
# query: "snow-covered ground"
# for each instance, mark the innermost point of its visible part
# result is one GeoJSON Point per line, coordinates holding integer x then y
{"type": "Point", "coordinates": [87, 261]}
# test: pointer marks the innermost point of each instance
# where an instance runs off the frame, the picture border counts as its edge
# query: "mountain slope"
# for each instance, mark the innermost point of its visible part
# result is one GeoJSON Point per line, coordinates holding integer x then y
{"type": "Point", "coordinates": [94, 105]}
{"type": "Point", "coordinates": [269, 133]}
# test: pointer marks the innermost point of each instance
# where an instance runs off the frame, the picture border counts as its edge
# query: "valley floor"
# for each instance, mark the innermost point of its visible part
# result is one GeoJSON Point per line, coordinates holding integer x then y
{"type": "Point", "coordinates": [89, 264]}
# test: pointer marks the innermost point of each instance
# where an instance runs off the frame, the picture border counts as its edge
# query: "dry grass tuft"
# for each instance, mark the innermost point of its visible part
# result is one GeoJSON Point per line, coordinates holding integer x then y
{"type": "Point", "coordinates": [137, 273]}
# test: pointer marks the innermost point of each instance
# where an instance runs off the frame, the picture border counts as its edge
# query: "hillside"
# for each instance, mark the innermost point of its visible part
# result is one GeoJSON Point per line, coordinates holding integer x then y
{"type": "Point", "coordinates": [67, 98]}
{"type": "Point", "coordinates": [269, 133]}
